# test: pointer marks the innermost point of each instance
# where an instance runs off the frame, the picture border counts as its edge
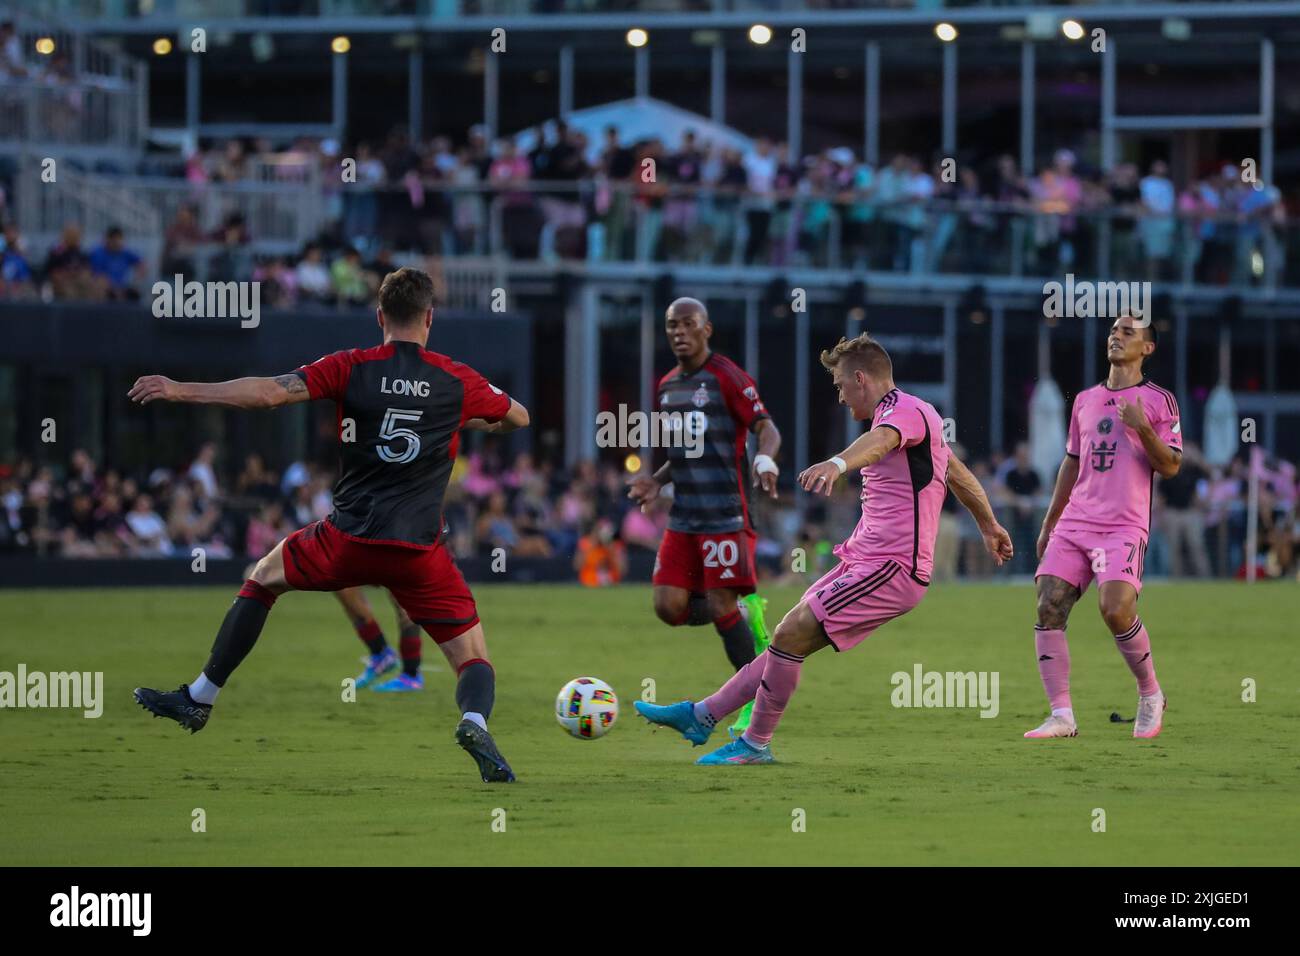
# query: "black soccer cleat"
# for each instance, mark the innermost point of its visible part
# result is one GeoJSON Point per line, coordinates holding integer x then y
{"type": "Point", "coordinates": [478, 743]}
{"type": "Point", "coordinates": [176, 704]}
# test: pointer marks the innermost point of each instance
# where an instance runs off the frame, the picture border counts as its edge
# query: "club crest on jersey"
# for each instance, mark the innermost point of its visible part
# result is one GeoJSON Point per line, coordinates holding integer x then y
{"type": "Point", "coordinates": [701, 397]}
{"type": "Point", "coordinates": [1103, 455]}
{"type": "Point", "coordinates": [1105, 425]}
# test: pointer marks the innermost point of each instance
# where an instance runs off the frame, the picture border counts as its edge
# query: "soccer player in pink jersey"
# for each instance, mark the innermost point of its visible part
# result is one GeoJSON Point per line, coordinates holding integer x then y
{"type": "Point", "coordinates": [1123, 432]}
{"type": "Point", "coordinates": [884, 565]}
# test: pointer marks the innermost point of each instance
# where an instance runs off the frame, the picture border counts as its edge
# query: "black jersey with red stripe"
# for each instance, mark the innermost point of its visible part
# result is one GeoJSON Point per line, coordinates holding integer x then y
{"type": "Point", "coordinates": [400, 411]}
{"type": "Point", "coordinates": [720, 404]}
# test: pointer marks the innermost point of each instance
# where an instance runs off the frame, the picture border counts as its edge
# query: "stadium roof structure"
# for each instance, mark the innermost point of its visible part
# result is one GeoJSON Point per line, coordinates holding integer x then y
{"type": "Point", "coordinates": [642, 118]}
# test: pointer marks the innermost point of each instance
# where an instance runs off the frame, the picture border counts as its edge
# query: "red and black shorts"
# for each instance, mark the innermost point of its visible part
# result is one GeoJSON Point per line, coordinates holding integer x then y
{"type": "Point", "coordinates": [424, 581]}
{"type": "Point", "coordinates": [707, 562]}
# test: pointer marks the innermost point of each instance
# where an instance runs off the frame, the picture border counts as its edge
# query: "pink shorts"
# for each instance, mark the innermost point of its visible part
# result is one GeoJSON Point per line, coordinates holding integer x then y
{"type": "Point", "coordinates": [852, 600]}
{"type": "Point", "coordinates": [1079, 556]}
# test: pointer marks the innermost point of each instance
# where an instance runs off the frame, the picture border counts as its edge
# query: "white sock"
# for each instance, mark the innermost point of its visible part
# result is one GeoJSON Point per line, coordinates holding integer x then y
{"type": "Point", "coordinates": [477, 718]}
{"type": "Point", "coordinates": [705, 716]}
{"type": "Point", "coordinates": [203, 691]}
{"type": "Point", "coordinates": [1066, 712]}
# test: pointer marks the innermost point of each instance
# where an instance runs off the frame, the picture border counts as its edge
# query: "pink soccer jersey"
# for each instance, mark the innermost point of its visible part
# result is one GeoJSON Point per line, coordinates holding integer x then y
{"type": "Point", "coordinates": [1113, 491]}
{"type": "Point", "coordinates": [904, 491]}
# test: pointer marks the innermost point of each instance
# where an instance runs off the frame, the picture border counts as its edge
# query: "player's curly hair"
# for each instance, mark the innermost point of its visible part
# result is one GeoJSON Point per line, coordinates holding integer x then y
{"type": "Point", "coordinates": [405, 296]}
{"type": "Point", "coordinates": [861, 351]}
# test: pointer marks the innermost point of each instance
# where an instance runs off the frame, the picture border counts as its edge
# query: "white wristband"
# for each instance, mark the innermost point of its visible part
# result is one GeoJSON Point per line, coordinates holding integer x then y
{"type": "Point", "coordinates": [839, 463]}
{"type": "Point", "coordinates": [666, 491]}
{"type": "Point", "coordinates": [764, 464]}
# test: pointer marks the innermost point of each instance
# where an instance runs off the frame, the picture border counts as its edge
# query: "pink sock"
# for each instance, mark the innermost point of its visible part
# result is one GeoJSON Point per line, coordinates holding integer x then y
{"type": "Point", "coordinates": [780, 678]}
{"type": "Point", "coordinates": [1135, 645]}
{"type": "Point", "coordinates": [738, 691]}
{"type": "Point", "coordinates": [1053, 665]}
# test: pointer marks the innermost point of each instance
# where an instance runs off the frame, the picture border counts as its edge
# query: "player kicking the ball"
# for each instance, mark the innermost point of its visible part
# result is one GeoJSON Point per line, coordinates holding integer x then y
{"type": "Point", "coordinates": [705, 565]}
{"type": "Point", "coordinates": [884, 565]}
{"type": "Point", "coordinates": [1122, 433]}
{"type": "Point", "coordinates": [408, 405]}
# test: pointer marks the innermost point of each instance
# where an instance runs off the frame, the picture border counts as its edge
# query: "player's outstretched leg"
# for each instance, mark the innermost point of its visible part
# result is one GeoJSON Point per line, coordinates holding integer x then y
{"type": "Point", "coordinates": [1119, 609]}
{"type": "Point", "coordinates": [382, 660]}
{"type": "Point", "coordinates": [191, 704]}
{"type": "Point", "coordinates": [410, 636]}
{"type": "Point", "coordinates": [798, 635]}
{"type": "Point", "coordinates": [475, 695]}
{"type": "Point", "coordinates": [1056, 597]}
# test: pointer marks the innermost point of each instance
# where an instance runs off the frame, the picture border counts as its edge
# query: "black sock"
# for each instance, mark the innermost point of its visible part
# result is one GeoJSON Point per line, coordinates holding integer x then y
{"type": "Point", "coordinates": [697, 610]}
{"type": "Point", "coordinates": [410, 645]}
{"type": "Point", "coordinates": [239, 631]}
{"type": "Point", "coordinates": [476, 688]}
{"type": "Point", "coordinates": [737, 638]}
{"type": "Point", "coordinates": [373, 637]}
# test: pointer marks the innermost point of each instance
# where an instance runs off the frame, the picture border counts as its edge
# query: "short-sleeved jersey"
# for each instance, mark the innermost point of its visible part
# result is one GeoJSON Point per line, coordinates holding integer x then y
{"type": "Point", "coordinates": [1113, 490]}
{"type": "Point", "coordinates": [902, 494]}
{"type": "Point", "coordinates": [716, 406]}
{"type": "Point", "coordinates": [400, 411]}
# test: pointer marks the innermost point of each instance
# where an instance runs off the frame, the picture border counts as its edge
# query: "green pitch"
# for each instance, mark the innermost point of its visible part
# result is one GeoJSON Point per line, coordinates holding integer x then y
{"type": "Point", "coordinates": [289, 773]}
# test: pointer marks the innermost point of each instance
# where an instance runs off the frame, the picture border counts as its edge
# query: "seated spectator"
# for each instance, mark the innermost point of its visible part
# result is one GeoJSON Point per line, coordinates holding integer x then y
{"type": "Point", "coordinates": [351, 283]}
{"type": "Point", "coordinates": [148, 530]}
{"type": "Point", "coordinates": [67, 268]}
{"type": "Point", "coordinates": [117, 267]}
{"type": "Point", "coordinates": [16, 279]}
{"type": "Point", "coordinates": [601, 559]}
{"type": "Point", "coordinates": [265, 530]}
{"type": "Point", "coordinates": [312, 276]}
{"type": "Point", "coordinates": [180, 242]}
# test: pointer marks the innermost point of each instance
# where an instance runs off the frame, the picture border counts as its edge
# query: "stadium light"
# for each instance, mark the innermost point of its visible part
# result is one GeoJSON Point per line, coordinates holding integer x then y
{"type": "Point", "coordinates": [340, 44]}
{"type": "Point", "coordinates": [632, 464]}
{"type": "Point", "coordinates": [945, 32]}
{"type": "Point", "coordinates": [637, 37]}
{"type": "Point", "coordinates": [45, 46]}
{"type": "Point", "coordinates": [1072, 29]}
{"type": "Point", "coordinates": [162, 46]}
{"type": "Point", "coordinates": [760, 33]}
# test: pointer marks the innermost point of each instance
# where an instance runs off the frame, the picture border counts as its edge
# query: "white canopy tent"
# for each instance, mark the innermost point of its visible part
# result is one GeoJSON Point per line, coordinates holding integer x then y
{"type": "Point", "coordinates": [641, 118]}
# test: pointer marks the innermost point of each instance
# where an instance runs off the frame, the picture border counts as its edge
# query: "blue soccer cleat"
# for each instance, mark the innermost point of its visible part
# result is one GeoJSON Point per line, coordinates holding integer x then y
{"type": "Point", "coordinates": [401, 684]}
{"type": "Point", "coordinates": [736, 752]}
{"type": "Point", "coordinates": [680, 717]}
{"type": "Point", "coordinates": [377, 665]}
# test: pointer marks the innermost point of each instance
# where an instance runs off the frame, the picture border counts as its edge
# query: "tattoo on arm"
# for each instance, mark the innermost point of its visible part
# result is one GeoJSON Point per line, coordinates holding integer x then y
{"type": "Point", "coordinates": [291, 383]}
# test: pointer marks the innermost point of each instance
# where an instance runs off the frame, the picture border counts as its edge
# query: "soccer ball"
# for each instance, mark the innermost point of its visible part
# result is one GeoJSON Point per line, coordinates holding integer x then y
{"type": "Point", "coordinates": [587, 707]}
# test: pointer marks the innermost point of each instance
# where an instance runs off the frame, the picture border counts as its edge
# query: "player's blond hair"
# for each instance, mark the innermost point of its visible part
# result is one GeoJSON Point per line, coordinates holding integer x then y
{"type": "Point", "coordinates": [860, 352]}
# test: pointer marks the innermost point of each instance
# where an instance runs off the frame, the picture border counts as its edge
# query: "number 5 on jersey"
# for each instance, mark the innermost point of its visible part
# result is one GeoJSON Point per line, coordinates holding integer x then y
{"type": "Point", "coordinates": [388, 431]}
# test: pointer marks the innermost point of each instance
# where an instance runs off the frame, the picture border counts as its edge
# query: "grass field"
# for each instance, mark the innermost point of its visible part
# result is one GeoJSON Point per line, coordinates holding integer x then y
{"type": "Point", "coordinates": [288, 773]}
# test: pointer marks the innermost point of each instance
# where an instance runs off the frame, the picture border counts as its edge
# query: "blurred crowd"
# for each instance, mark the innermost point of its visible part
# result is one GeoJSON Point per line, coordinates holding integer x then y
{"type": "Point", "coordinates": [581, 516]}
{"type": "Point", "coordinates": [539, 195]}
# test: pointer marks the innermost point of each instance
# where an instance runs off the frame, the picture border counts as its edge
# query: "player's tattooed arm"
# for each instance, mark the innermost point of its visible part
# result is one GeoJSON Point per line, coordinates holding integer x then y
{"type": "Point", "coordinates": [968, 490]}
{"type": "Point", "coordinates": [238, 393]}
{"type": "Point", "coordinates": [1066, 476]}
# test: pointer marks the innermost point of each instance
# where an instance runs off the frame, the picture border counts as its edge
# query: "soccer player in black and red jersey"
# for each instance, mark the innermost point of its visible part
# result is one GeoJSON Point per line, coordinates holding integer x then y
{"type": "Point", "coordinates": [404, 407]}
{"type": "Point", "coordinates": [705, 564]}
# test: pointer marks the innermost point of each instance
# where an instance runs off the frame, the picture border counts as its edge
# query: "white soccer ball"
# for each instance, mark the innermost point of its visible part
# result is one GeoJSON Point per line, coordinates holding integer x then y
{"type": "Point", "coordinates": [587, 707]}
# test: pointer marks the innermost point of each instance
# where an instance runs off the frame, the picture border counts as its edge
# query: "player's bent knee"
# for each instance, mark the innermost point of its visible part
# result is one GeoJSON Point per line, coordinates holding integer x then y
{"type": "Point", "coordinates": [1119, 618]}
{"type": "Point", "coordinates": [671, 609]}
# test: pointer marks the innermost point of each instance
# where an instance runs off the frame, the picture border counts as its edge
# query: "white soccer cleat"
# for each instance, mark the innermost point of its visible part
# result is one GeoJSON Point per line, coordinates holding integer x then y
{"type": "Point", "coordinates": [1053, 726]}
{"type": "Point", "coordinates": [1150, 716]}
